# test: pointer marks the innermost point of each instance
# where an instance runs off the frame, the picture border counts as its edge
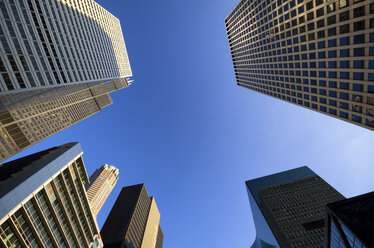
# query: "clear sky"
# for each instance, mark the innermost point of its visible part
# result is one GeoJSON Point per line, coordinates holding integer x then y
{"type": "Point", "coordinates": [193, 137]}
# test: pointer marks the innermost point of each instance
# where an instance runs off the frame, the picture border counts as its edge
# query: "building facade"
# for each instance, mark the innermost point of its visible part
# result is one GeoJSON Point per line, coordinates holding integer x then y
{"type": "Point", "coordinates": [59, 60]}
{"type": "Point", "coordinates": [316, 54]}
{"type": "Point", "coordinates": [134, 221]}
{"type": "Point", "coordinates": [102, 182]}
{"type": "Point", "coordinates": [350, 223]}
{"type": "Point", "coordinates": [43, 201]}
{"type": "Point", "coordinates": [288, 208]}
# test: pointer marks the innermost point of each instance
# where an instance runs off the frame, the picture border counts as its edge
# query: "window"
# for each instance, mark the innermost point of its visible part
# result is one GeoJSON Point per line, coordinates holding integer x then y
{"type": "Point", "coordinates": [344, 95]}
{"type": "Point", "coordinates": [358, 76]}
{"type": "Point", "coordinates": [343, 114]}
{"type": "Point", "coordinates": [359, 25]}
{"type": "Point", "coordinates": [357, 52]}
{"type": "Point", "coordinates": [331, 8]}
{"type": "Point", "coordinates": [360, 11]}
{"type": "Point", "coordinates": [358, 39]}
{"type": "Point", "coordinates": [322, 108]}
{"type": "Point", "coordinates": [320, 12]}
{"type": "Point", "coordinates": [343, 29]}
{"type": "Point", "coordinates": [332, 43]}
{"type": "Point", "coordinates": [322, 83]}
{"type": "Point", "coordinates": [344, 41]}
{"type": "Point", "coordinates": [332, 93]}
{"type": "Point", "coordinates": [371, 88]}
{"type": "Point", "coordinates": [344, 105]}
{"type": "Point", "coordinates": [320, 23]}
{"type": "Point", "coordinates": [344, 75]}
{"type": "Point", "coordinates": [357, 87]}
{"type": "Point", "coordinates": [332, 64]}
{"type": "Point", "coordinates": [331, 20]}
{"type": "Point", "coordinates": [358, 64]}
{"type": "Point", "coordinates": [332, 84]}
{"type": "Point", "coordinates": [344, 64]}
{"type": "Point", "coordinates": [356, 118]}
{"type": "Point", "coordinates": [332, 111]}
{"type": "Point", "coordinates": [344, 86]}
{"type": "Point", "coordinates": [332, 31]}
{"type": "Point", "coordinates": [344, 16]}
{"type": "Point", "coordinates": [332, 54]}
{"type": "Point", "coordinates": [371, 77]}
{"type": "Point", "coordinates": [321, 44]}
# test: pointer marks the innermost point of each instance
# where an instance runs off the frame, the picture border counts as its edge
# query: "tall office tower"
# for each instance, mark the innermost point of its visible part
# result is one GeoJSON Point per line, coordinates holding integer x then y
{"type": "Point", "coordinates": [59, 60]}
{"type": "Point", "coordinates": [101, 184]}
{"type": "Point", "coordinates": [313, 53]}
{"type": "Point", "coordinates": [134, 221]}
{"type": "Point", "coordinates": [43, 201]}
{"type": "Point", "coordinates": [350, 223]}
{"type": "Point", "coordinates": [288, 208]}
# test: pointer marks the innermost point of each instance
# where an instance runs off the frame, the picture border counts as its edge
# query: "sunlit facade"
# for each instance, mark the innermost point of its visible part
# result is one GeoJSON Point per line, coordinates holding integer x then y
{"type": "Point", "coordinates": [288, 208]}
{"type": "Point", "coordinates": [59, 60]}
{"type": "Point", "coordinates": [134, 221]}
{"type": "Point", "coordinates": [102, 182]}
{"type": "Point", "coordinates": [314, 53]}
{"type": "Point", "coordinates": [43, 202]}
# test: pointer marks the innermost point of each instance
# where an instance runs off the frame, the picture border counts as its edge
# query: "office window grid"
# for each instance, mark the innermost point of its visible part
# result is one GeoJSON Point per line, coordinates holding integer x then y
{"type": "Point", "coordinates": [312, 53]}
{"type": "Point", "coordinates": [56, 42]}
{"type": "Point", "coordinates": [52, 215]}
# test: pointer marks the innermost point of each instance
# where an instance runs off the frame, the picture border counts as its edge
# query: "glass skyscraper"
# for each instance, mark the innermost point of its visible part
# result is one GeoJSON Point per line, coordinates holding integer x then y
{"type": "Point", "coordinates": [43, 202]}
{"type": "Point", "coordinates": [350, 222]}
{"type": "Point", "coordinates": [288, 208]}
{"type": "Point", "coordinates": [59, 60]}
{"type": "Point", "coordinates": [314, 53]}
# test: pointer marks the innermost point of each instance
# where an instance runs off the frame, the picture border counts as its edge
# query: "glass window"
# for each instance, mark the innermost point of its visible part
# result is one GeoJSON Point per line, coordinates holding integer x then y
{"type": "Point", "coordinates": [357, 52]}
{"type": "Point", "coordinates": [343, 114]}
{"type": "Point", "coordinates": [357, 26]}
{"type": "Point", "coordinates": [344, 86]}
{"type": "Point", "coordinates": [344, 95]}
{"type": "Point", "coordinates": [371, 88]}
{"type": "Point", "coordinates": [357, 87]}
{"type": "Point", "coordinates": [332, 74]}
{"type": "Point", "coordinates": [331, 20]}
{"type": "Point", "coordinates": [320, 12]}
{"type": "Point", "coordinates": [358, 39]}
{"type": "Point", "coordinates": [322, 108]}
{"type": "Point", "coordinates": [344, 64]}
{"type": "Point", "coordinates": [343, 29]}
{"type": "Point", "coordinates": [332, 93]}
{"type": "Point", "coordinates": [322, 83]}
{"type": "Point", "coordinates": [344, 75]}
{"type": "Point", "coordinates": [320, 23]}
{"type": "Point", "coordinates": [358, 76]}
{"type": "Point", "coordinates": [332, 111]}
{"type": "Point", "coordinates": [371, 76]}
{"type": "Point", "coordinates": [371, 64]}
{"type": "Point", "coordinates": [344, 52]}
{"type": "Point", "coordinates": [332, 54]}
{"type": "Point", "coordinates": [360, 11]}
{"type": "Point", "coordinates": [331, 31]}
{"type": "Point", "coordinates": [356, 118]}
{"type": "Point", "coordinates": [321, 55]}
{"type": "Point", "coordinates": [344, 41]}
{"type": "Point", "coordinates": [322, 64]}
{"type": "Point", "coordinates": [332, 43]}
{"type": "Point", "coordinates": [332, 84]}
{"type": "Point", "coordinates": [322, 92]}
{"type": "Point", "coordinates": [344, 105]}
{"type": "Point", "coordinates": [344, 16]}
{"type": "Point", "coordinates": [371, 51]}
{"type": "Point", "coordinates": [332, 64]}
{"type": "Point", "coordinates": [358, 64]}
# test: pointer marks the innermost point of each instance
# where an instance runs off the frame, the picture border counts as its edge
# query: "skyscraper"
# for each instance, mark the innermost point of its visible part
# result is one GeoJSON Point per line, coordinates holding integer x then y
{"type": "Point", "coordinates": [288, 208]}
{"type": "Point", "coordinates": [59, 60]}
{"type": "Point", "coordinates": [102, 182]}
{"type": "Point", "coordinates": [350, 222]}
{"type": "Point", "coordinates": [43, 202]}
{"type": "Point", "coordinates": [314, 53]}
{"type": "Point", "coordinates": [134, 221]}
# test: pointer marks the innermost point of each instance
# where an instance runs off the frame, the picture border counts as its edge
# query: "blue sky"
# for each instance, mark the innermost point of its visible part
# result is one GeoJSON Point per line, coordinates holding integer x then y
{"type": "Point", "coordinates": [193, 137]}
